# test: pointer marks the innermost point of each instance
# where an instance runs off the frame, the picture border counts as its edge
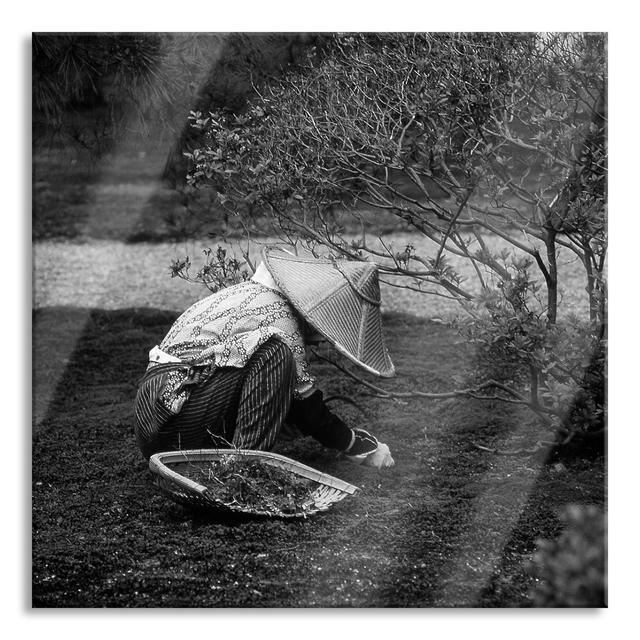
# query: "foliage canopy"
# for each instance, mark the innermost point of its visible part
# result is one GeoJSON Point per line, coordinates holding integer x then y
{"type": "Point", "coordinates": [459, 138]}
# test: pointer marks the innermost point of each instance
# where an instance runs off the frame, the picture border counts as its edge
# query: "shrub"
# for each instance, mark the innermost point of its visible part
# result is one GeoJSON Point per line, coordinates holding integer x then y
{"type": "Point", "coordinates": [571, 571]}
{"type": "Point", "coordinates": [463, 139]}
{"type": "Point", "coordinates": [561, 365]}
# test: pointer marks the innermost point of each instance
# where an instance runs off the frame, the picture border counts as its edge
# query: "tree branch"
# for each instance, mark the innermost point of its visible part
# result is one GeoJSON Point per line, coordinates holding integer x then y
{"type": "Point", "coordinates": [514, 396]}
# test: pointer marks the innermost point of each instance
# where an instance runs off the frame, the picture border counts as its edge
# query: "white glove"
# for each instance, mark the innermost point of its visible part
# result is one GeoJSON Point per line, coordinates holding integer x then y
{"type": "Point", "coordinates": [365, 449]}
{"type": "Point", "coordinates": [380, 458]}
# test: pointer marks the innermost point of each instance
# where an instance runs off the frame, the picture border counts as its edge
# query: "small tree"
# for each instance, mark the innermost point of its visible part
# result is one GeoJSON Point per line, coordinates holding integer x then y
{"type": "Point", "coordinates": [469, 140]}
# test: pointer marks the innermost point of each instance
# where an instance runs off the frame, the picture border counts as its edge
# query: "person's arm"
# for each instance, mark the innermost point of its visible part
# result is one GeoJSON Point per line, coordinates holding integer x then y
{"type": "Point", "coordinates": [311, 415]}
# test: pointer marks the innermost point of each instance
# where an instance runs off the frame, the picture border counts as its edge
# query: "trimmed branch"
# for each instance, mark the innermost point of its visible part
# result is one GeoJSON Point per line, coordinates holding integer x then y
{"type": "Point", "coordinates": [474, 393]}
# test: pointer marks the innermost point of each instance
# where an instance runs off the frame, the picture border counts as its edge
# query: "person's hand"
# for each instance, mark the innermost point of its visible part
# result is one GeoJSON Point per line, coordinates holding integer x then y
{"type": "Point", "coordinates": [380, 458]}
{"type": "Point", "coordinates": [365, 449]}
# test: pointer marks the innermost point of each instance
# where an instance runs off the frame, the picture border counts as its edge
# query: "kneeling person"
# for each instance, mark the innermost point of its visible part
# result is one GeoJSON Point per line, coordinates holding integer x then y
{"type": "Point", "coordinates": [232, 369]}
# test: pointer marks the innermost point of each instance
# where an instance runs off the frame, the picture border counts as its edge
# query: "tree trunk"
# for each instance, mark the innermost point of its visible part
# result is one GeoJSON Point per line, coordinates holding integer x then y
{"type": "Point", "coordinates": [552, 277]}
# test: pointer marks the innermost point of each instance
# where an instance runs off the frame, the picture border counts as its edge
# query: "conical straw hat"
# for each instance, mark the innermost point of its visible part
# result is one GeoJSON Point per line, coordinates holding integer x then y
{"type": "Point", "coordinates": [340, 299]}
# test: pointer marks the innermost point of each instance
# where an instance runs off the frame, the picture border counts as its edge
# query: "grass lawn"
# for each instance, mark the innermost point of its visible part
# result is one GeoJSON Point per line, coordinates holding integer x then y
{"type": "Point", "coordinates": [450, 525]}
{"type": "Point", "coordinates": [453, 524]}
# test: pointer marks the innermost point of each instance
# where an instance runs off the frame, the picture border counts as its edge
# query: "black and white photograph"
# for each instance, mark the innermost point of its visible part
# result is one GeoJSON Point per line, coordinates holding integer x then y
{"type": "Point", "coordinates": [319, 319]}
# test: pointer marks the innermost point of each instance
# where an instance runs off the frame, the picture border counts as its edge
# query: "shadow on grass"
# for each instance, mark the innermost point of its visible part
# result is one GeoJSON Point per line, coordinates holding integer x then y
{"type": "Point", "coordinates": [449, 525]}
{"type": "Point", "coordinates": [117, 197]}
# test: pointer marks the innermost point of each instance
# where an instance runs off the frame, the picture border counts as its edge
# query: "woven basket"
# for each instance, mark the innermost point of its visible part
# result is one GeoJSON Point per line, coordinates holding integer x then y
{"type": "Point", "coordinates": [170, 468]}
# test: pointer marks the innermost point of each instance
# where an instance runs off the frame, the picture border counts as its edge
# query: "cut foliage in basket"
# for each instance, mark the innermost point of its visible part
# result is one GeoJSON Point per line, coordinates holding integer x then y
{"type": "Point", "coordinates": [244, 481]}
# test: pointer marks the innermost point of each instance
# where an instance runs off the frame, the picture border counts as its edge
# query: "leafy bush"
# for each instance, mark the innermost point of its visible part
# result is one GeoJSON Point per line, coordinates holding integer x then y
{"type": "Point", "coordinates": [561, 365]}
{"type": "Point", "coordinates": [571, 571]}
{"type": "Point", "coordinates": [219, 270]}
{"type": "Point", "coordinates": [460, 138]}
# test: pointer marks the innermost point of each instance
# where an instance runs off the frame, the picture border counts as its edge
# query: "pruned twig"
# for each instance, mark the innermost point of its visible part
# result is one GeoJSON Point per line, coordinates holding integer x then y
{"type": "Point", "coordinates": [541, 445]}
{"type": "Point", "coordinates": [515, 397]}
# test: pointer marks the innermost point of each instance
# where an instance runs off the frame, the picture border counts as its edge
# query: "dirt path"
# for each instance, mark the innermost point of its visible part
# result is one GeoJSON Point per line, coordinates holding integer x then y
{"type": "Point", "coordinates": [109, 274]}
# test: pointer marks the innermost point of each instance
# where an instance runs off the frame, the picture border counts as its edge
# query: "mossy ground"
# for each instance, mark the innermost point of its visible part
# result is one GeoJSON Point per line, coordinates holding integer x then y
{"type": "Point", "coordinates": [449, 525]}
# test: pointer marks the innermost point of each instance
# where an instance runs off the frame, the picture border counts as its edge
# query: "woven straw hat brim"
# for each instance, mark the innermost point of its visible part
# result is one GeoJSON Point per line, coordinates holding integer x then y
{"type": "Point", "coordinates": [341, 300]}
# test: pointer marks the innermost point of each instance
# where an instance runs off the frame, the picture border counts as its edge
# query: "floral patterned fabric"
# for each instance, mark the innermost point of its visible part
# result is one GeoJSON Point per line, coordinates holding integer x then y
{"type": "Point", "coordinates": [227, 327]}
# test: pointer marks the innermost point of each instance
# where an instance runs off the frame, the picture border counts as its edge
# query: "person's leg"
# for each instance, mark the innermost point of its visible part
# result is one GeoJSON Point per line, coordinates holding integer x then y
{"type": "Point", "coordinates": [266, 396]}
{"type": "Point", "coordinates": [207, 418]}
{"type": "Point", "coordinates": [149, 412]}
{"type": "Point", "coordinates": [244, 408]}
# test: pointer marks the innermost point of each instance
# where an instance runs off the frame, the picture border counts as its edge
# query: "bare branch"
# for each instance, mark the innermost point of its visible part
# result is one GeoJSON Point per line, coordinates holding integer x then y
{"type": "Point", "coordinates": [513, 397]}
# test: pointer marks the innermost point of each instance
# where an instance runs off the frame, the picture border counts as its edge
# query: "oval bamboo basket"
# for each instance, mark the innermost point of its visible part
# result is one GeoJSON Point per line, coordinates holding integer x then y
{"type": "Point", "coordinates": [170, 468]}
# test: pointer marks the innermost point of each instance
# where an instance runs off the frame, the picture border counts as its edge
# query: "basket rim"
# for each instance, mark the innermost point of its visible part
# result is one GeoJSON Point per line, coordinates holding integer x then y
{"type": "Point", "coordinates": [158, 464]}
